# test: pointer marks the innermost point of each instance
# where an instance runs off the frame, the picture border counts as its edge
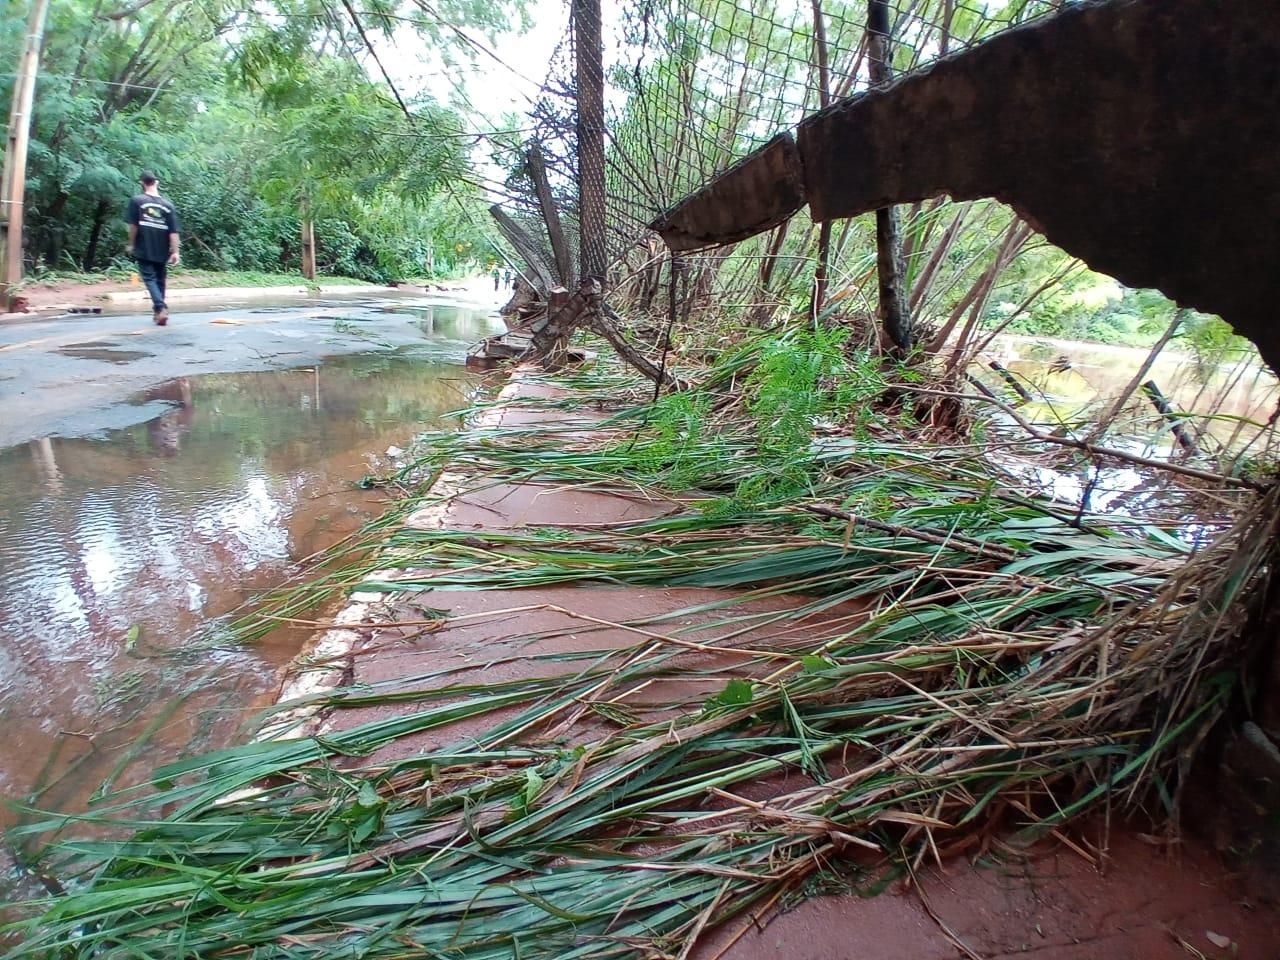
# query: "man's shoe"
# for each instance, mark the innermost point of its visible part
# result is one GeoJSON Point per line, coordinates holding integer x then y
{"type": "Point", "coordinates": [162, 317]}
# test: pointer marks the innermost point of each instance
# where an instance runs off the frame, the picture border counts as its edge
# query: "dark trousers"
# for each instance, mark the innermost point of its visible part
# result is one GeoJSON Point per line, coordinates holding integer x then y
{"type": "Point", "coordinates": [154, 276]}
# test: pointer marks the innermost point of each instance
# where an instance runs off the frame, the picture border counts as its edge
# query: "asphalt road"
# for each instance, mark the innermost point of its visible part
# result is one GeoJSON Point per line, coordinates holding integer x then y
{"type": "Point", "coordinates": [82, 374]}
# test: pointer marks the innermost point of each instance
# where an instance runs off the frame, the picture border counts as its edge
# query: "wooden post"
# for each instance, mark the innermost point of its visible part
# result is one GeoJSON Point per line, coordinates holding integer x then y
{"type": "Point", "coordinates": [1108, 419]}
{"type": "Point", "coordinates": [1011, 380]}
{"type": "Point", "coordinates": [14, 180]}
{"type": "Point", "coordinates": [895, 315]}
{"type": "Point", "coordinates": [308, 240]}
{"type": "Point", "coordinates": [550, 215]}
{"type": "Point", "coordinates": [590, 131]}
{"type": "Point", "coordinates": [525, 246]}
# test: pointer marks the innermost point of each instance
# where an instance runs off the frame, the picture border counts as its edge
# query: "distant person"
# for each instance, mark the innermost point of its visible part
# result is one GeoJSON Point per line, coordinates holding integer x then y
{"type": "Point", "coordinates": [153, 240]}
{"type": "Point", "coordinates": [497, 278]}
{"type": "Point", "coordinates": [506, 279]}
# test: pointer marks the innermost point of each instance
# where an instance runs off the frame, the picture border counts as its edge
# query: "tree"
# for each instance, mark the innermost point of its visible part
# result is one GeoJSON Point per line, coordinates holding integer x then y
{"type": "Point", "coordinates": [245, 113]}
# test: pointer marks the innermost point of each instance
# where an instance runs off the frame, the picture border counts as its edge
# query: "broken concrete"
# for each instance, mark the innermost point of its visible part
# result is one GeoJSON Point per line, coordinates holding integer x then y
{"type": "Point", "coordinates": [1140, 136]}
{"type": "Point", "coordinates": [758, 193]}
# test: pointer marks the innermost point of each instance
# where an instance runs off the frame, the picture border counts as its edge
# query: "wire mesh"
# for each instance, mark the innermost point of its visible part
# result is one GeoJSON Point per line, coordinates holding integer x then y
{"type": "Point", "coordinates": [690, 87]}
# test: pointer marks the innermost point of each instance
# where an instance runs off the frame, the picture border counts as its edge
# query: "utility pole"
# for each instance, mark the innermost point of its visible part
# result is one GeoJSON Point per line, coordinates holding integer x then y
{"type": "Point", "coordinates": [14, 182]}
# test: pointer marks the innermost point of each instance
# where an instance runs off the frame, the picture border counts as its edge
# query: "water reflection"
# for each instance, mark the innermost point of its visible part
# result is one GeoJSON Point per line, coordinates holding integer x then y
{"type": "Point", "coordinates": [1074, 383]}
{"type": "Point", "coordinates": [1072, 387]}
{"type": "Point", "coordinates": [113, 551]}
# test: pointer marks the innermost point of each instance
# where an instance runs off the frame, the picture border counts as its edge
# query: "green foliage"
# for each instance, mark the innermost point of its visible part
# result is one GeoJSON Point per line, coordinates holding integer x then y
{"type": "Point", "coordinates": [1212, 341]}
{"type": "Point", "coordinates": [675, 445]}
{"type": "Point", "coordinates": [797, 378]}
{"type": "Point", "coordinates": [245, 118]}
{"type": "Point", "coordinates": [800, 379]}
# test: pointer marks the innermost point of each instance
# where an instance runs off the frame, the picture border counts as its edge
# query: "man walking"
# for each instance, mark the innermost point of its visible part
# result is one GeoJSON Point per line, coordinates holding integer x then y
{"type": "Point", "coordinates": [153, 240]}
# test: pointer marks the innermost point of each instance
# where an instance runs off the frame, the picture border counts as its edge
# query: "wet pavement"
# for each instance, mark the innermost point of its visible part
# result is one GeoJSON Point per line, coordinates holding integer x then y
{"type": "Point", "coordinates": [67, 376]}
{"type": "Point", "coordinates": [129, 528]}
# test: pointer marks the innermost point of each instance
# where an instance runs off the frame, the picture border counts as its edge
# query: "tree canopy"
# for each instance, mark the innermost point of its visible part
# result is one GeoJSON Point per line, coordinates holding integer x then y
{"type": "Point", "coordinates": [254, 118]}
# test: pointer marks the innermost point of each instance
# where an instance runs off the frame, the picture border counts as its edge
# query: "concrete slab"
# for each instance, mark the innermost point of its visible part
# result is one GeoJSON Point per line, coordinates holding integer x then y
{"type": "Point", "coordinates": [509, 506]}
{"type": "Point", "coordinates": [493, 636]}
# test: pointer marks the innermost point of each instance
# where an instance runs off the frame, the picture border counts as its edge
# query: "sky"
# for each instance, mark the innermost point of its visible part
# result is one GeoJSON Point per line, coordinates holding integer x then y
{"type": "Point", "coordinates": [505, 80]}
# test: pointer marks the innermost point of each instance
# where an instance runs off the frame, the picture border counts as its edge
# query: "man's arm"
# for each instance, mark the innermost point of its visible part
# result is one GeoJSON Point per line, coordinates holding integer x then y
{"type": "Point", "coordinates": [131, 222]}
{"type": "Point", "coordinates": [175, 241]}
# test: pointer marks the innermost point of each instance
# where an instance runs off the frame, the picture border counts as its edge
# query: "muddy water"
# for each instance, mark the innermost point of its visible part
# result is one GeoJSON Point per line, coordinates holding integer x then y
{"type": "Point", "coordinates": [1075, 381]}
{"type": "Point", "coordinates": [117, 551]}
{"type": "Point", "coordinates": [1072, 384]}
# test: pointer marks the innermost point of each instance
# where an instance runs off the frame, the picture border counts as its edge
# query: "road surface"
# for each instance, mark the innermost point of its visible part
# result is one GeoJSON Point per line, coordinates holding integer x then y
{"type": "Point", "coordinates": [82, 374]}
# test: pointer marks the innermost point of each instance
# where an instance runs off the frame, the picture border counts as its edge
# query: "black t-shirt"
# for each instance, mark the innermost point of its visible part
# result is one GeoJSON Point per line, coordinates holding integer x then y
{"type": "Point", "coordinates": [156, 219]}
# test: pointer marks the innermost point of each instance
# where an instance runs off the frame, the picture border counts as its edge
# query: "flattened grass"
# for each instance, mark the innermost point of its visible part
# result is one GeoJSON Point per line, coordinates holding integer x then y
{"type": "Point", "coordinates": [1007, 658]}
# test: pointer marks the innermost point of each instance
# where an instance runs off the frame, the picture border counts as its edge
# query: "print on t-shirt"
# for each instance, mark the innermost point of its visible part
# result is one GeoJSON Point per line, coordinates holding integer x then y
{"type": "Point", "coordinates": [156, 219]}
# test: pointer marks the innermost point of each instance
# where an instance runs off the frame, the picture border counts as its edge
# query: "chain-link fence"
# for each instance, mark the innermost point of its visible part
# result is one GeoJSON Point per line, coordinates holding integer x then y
{"type": "Point", "coordinates": [689, 87]}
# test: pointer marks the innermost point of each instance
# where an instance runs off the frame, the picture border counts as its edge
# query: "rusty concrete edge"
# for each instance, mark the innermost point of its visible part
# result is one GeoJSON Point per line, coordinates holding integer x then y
{"type": "Point", "coordinates": [326, 659]}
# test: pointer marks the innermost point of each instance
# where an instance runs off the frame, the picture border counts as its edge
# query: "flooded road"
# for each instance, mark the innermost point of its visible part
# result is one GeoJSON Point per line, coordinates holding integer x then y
{"type": "Point", "coordinates": [118, 547]}
{"type": "Point", "coordinates": [71, 376]}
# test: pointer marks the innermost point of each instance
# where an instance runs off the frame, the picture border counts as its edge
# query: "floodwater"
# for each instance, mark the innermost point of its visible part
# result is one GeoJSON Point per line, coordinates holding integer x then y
{"type": "Point", "coordinates": [117, 551]}
{"type": "Point", "coordinates": [1074, 383]}
{"type": "Point", "coordinates": [1223, 407]}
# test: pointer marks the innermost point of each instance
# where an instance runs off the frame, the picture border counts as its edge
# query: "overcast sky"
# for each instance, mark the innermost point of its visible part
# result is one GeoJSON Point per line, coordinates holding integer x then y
{"type": "Point", "coordinates": [496, 85]}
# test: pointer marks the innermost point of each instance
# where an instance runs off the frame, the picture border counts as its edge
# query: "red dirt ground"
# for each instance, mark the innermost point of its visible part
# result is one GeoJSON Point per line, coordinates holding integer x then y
{"type": "Point", "coordinates": [1147, 905]}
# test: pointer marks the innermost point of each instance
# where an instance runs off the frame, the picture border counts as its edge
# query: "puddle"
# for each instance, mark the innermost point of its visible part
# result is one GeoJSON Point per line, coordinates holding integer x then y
{"type": "Point", "coordinates": [115, 550]}
{"type": "Point", "coordinates": [94, 351]}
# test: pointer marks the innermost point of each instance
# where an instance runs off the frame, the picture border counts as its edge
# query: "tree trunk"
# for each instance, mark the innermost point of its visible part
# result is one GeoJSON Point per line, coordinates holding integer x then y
{"type": "Point", "coordinates": [895, 314]}
{"type": "Point", "coordinates": [308, 241]}
{"type": "Point", "coordinates": [13, 182]}
{"type": "Point", "coordinates": [822, 269]}
{"type": "Point", "coordinates": [55, 234]}
{"type": "Point", "coordinates": [650, 273]}
{"type": "Point", "coordinates": [550, 215]}
{"type": "Point", "coordinates": [95, 233]}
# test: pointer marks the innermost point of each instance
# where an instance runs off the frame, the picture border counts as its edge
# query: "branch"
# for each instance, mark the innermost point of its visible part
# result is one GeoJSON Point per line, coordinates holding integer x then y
{"type": "Point", "coordinates": [127, 11]}
{"type": "Point", "coordinates": [1114, 410]}
{"type": "Point", "coordinates": [603, 324]}
{"type": "Point", "coordinates": [355, 19]}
